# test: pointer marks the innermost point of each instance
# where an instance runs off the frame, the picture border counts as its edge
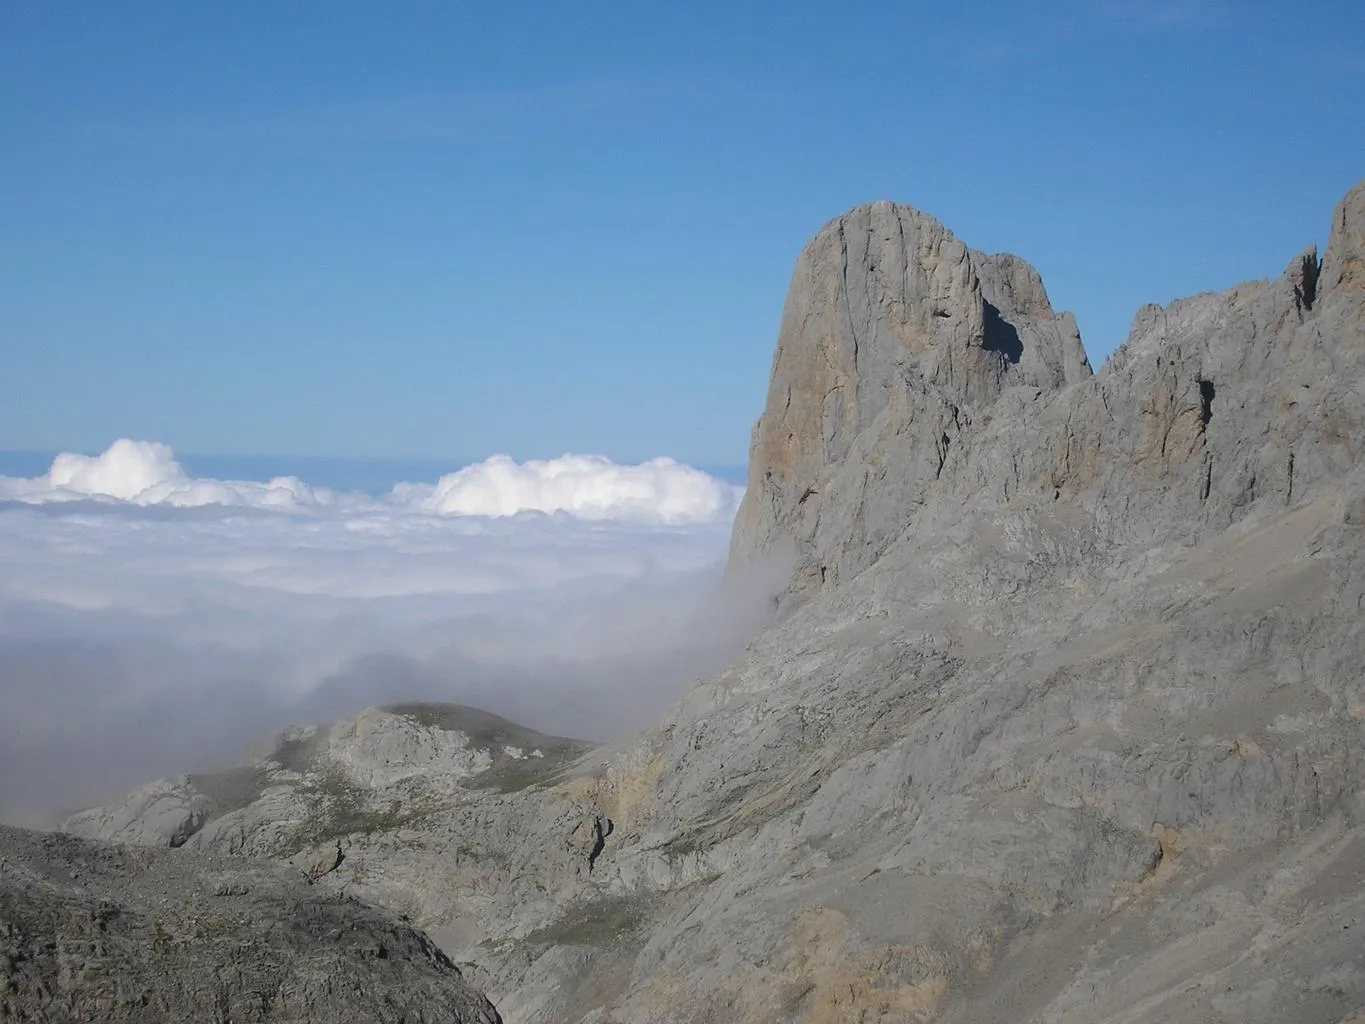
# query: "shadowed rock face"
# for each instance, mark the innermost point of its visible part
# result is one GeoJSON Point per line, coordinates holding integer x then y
{"type": "Point", "coordinates": [90, 931]}
{"type": "Point", "coordinates": [1066, 726]}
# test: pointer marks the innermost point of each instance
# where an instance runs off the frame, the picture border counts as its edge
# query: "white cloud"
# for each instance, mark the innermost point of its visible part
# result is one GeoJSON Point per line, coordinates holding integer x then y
{"type": "Point", "coordinates": [150, 621]}
{"type": "Point", "coordinates": [146, 473]}
{"type": "Point", "coordinates": [584, 486]}
{"type": "Point", "coordinates": [587, 486]}
{"type": "Point", "coordinates": [125, 470]}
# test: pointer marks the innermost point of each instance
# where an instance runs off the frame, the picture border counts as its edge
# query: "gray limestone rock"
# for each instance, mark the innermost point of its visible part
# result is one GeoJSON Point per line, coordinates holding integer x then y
{"type": "Point", "coordinates": [894, 336]}
{"type": "Point", "coordinates": [162, 813]}
{"type": "Point", "coordinates": [92, 931]}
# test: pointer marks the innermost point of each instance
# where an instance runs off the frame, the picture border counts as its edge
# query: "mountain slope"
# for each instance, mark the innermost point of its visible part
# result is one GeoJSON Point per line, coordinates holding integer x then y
{"type": "Point", "coordinates": [97, 932]}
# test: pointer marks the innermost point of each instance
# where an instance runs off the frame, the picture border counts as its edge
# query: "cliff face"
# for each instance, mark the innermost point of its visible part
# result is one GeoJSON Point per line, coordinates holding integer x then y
{"type": "Point", "coordinates": [912, 371]}
{"type": "Point", "coordinates": [1067, 724]}
{"type": "Point", "coordinates": [895, 337]}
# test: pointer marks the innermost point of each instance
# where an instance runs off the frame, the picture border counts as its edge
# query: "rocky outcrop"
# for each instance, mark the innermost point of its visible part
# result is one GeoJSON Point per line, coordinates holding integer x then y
{"type": "Point", "coordinates": [475, 828]}
{"type": "Point", "coordinates": [162, 813]}
{"type": "Point", "coordinates": [91, 931]}
{"type": "Point", "coordinates": [1343, 268]}
{"type": "Point", "coordinates": [1211, 404]}
{"type": "Point", "coordinates": [1229, 404]}
{"type": "Point", "coordinates": [384, 768]}
{"type": "Point", "coordinates": [895, 337]}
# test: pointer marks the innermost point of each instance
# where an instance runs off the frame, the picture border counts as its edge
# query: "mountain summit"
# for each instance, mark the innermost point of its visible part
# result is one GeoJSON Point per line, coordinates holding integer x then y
{"type": "Point", "coordinates": [895, 335]}
{"type": "Point", "coordinates": [914, 373]}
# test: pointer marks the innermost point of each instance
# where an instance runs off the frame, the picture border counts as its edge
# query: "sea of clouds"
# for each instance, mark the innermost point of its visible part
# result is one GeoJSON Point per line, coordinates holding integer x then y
{"type": "Point", "coordinates": [152, 622]}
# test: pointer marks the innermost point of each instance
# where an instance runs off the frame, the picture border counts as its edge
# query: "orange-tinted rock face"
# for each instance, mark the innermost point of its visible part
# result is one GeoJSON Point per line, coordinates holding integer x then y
{"type": "Point", "coordinates": [1344, 264]}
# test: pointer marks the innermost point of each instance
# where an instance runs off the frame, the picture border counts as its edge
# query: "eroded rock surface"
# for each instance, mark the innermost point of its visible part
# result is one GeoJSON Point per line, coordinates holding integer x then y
{"type": "Point", "coordinates": [894, 336]}
{"type": "Point", "coordinates": [98, 932]}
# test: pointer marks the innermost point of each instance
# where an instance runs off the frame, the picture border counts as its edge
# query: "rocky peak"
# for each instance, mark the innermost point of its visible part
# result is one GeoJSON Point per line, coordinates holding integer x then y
{"type": "Point", "coordinates": [894, 336]}
{"type": "Point", "coordinates": [915, 375]}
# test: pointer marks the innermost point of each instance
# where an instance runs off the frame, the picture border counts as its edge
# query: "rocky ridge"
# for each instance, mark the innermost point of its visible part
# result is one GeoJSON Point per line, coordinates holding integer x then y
{"type": "Point", "coordinates": [1062, 719]}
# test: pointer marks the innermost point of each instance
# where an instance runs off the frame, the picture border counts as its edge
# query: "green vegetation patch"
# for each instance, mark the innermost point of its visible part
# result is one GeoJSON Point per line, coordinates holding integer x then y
{"type": "Point", "coordinates": [339, 809]}
{"type": "Point", "coordinates": [600, 923]}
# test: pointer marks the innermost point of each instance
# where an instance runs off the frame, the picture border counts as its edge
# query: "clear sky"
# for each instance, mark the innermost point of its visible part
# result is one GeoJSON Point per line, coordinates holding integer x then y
{"type": "Point", "coordinates": [439, 229]}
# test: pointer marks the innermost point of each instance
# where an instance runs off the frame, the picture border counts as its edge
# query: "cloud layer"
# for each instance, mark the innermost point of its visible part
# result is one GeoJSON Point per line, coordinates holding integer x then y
{"type": "Point", "coordinates": [152, 623]}
{"type": "Point", "coordinates": [585, 486]}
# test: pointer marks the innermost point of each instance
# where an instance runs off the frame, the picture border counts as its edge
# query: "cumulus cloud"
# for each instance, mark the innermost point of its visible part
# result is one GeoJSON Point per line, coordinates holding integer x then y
{"type": "Point", "coordinates": [585, 486]}
{"type": "Point", "coordinates": [152, 622]}
{"type": "Point", "coordinates": [147, 473]}
{"type": "Point", "coordinates": [125, 470]}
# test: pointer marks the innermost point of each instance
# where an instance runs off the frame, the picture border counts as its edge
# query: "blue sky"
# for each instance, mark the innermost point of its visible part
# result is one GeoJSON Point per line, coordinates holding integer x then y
{"type": "Point", "coordinates": [444, 229]}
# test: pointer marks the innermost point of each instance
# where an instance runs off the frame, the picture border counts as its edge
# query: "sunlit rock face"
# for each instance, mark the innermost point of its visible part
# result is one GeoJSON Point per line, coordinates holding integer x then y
{"type": "Point", "coordinates": [895, 337]}
{"type": "Point", "coordinates": [914, 374]}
